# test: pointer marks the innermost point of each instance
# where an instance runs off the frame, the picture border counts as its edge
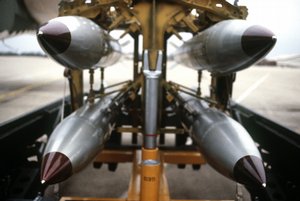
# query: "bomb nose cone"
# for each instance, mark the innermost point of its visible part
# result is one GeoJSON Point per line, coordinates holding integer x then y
{"type": "Point", "coordinates": [56, 167]}
{"type": "Point", "coordinates": [257, 40]}
{"type": "Point", "coordinates": [249, 170]}
{"type": "Point", "coordinates": [54, 37]}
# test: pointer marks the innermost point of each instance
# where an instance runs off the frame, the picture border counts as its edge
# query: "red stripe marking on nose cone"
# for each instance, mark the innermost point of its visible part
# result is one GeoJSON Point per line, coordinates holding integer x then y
{"type": "Point", "coordinates": [250, 171]}
{"type": "Point", "coordinates": [56, 167]}
{"type": "Point", "coordinates": [54, 37]}
{"type": "Point", "coordinates": [257, 40]}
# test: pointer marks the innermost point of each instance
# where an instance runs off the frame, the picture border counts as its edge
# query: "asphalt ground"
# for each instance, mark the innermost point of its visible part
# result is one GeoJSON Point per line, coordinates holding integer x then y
{"type": "Point", "coordinates": [27, 83]}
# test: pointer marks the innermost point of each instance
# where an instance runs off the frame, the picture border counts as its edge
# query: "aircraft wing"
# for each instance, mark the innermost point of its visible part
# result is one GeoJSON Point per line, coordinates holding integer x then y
{"type": "Point", "coordinates": [18, 16]}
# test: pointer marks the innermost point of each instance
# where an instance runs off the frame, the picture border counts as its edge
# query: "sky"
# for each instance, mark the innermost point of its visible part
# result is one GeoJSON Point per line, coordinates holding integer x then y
{"type": "Point", "coordinates": [282, 17]}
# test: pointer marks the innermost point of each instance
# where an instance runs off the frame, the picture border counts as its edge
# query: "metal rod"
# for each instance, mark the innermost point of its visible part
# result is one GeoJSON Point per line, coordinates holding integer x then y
{"type": "Point", "coordinates": [91, 97]}
{"type": "Point", "coordinates": [151, 89]}
{"type": "Point", "coordinates": [189, 92]}
{"type": "Point", "coordinates": [136, 56]}
{"type": "Point", "coordinates": [182, 86]}
{"type": "Point", "coordinates": [199, 82]}
{"type": "Point", "coordinates": [117, 84]}
{"type": "Point", "coordinates": [75, 78]}
{"type": "Point", "coordinates": [102, 89]}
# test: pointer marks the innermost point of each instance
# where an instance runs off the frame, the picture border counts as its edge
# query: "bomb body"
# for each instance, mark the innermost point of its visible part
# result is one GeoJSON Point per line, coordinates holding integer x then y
{"type": "Point", "coordinates": [226, 145]}
{"type": "Point", "coordinates": [78, 43]}
{"type": "Point", "coordinates": [226, 47]}
{"type": "Point", "coordinates": [76, 141]}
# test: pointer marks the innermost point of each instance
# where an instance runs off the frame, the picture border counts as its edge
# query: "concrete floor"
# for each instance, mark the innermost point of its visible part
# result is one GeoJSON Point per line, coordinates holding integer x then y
{"type": "Point", "coordinates": [183, 183]}
{"type": "Point", "coordinates": [28, 82]}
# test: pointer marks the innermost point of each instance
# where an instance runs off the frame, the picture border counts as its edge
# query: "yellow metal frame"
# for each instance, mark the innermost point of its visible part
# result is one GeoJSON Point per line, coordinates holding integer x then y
{"type": "Point", "coordinates": [148, 181]}
{"type": "Point", "coordinates": [153, 20]}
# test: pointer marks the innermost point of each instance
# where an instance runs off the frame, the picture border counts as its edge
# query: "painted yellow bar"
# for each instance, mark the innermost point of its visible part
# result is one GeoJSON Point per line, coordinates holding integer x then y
{"type": "Point", "coordinates": [150, 154]}
{"type": "Point", "coordinates": [150, 175]}
{"type": "Point", "coordinates": [112, 199]}
{"type": "Point", "coordinates": [183, 157]}
{"type": "Point", "coordinates": [89, 199]}
{"type": "Point", "coordinates": [201, 200]}
{"type": "Point", "coordinates": [135, 180]}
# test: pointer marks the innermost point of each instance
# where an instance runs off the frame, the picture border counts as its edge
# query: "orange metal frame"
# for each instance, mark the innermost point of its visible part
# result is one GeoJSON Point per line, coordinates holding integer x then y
{"type": "Point", "coordinates": [148, 181]}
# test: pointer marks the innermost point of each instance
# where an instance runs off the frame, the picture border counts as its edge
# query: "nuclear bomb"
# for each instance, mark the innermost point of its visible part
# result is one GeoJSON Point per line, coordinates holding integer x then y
{"type": "Point", "coordinates": [77, 140]}
{"type": "Point", "coordinates": [225, 143]}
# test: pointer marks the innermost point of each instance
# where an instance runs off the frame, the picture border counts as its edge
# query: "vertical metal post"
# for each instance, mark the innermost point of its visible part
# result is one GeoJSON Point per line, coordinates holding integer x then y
{"type": "Point", "coordinates": [199, 83]}
{"type": "Point", "coordinates": [136, 61]}
{"type": "Point", "coordinates": [151, 99]}
{"type": "Point", "coordinates": [75, 78]}
{"type": "Point", "coordinates": [162, 122]}
{"type": "Point", "coordinates": [136, 56]}
{"type": "Point", "coordinates": [101, 80]}
{"type": "Point", "coordinates": [91, 97]}
{"type": "Point", "coordinates": [221, 90]}
{"type": "Point", "coordinates": [152, 71]}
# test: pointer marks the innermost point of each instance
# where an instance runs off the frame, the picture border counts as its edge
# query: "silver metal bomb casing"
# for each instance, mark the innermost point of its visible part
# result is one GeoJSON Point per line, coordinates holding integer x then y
{"type": "Point", "coordinates": [78, 42]}
{"type": "Point", "coordinates": [76, 141]}
{"type": "Point", "coordinates": [112, 52]}
{"type": "Point", "coordinates": [226, 47]}
{"type": "Point", "coordinates": [225, 144]}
